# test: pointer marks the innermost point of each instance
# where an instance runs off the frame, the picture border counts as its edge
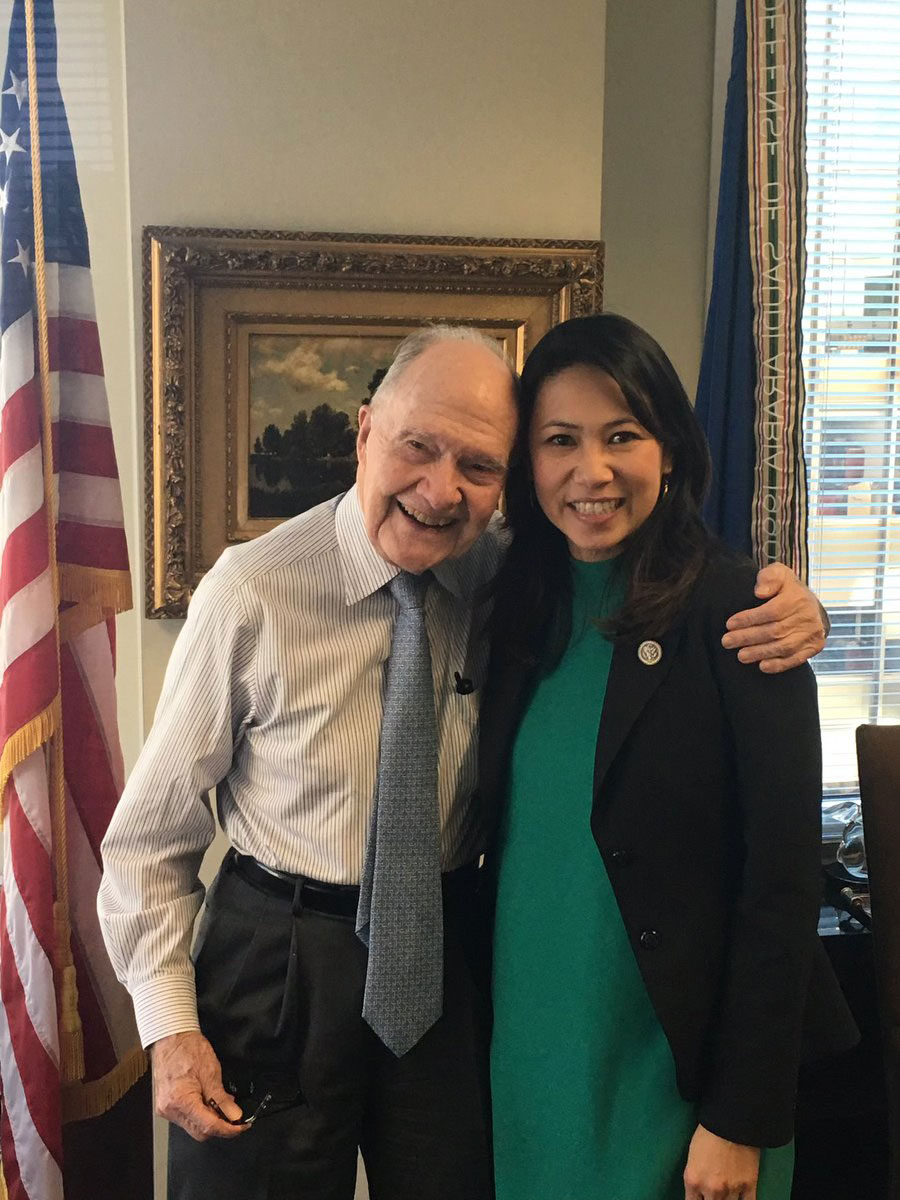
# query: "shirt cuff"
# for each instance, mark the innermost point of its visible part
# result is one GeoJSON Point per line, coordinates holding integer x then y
{"type": "Point", "coordinates": [165, 1005]}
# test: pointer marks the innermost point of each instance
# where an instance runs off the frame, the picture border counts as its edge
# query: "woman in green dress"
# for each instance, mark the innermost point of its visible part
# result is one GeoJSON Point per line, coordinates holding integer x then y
{"type": "Point", "coordinates": [656, 863]}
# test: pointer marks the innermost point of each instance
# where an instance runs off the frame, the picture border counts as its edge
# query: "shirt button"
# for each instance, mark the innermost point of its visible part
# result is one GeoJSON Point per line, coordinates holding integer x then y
{"type": "Point", "coordinates": [649, 939]}
{"type": "Point", "coordinates": [622, 858]}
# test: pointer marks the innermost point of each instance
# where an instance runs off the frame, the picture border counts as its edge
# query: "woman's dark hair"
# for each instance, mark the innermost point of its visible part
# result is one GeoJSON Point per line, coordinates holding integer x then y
{"type": "Point", "coordinates": [664, 557]}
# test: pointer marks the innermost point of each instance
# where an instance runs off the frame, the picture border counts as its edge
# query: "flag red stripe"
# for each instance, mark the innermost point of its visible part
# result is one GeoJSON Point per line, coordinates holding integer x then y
{"type": "Point", "coordinates": [86, 448]}
{"type": "Point", "coordinates": [92, 545]}
{"type": "Point", "coordinates": [21, 428]}
{"type": "Point", "coordinates": [11, 1176]}
{"type": "Point", "coordinates": [25, 555]}
{"type": "Point", "coordinates": [33, 873]}
{"type": "Point", "coordinates": [88, 773]}
{"type": "Point", "coordinates": [29, 684]}
{"type": "Point", "coordinates": [38, 1072]}
{"type": "Point", "coordinates": [74, 345]}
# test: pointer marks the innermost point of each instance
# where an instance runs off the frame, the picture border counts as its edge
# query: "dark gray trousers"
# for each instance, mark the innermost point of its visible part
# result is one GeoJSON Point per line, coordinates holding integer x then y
{"type": "Point", "coordinates": [280, 999]}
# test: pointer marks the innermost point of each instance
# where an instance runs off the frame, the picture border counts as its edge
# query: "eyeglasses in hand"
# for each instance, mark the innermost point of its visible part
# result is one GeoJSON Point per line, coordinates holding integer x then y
{"type": "Point", "coordinates": [260, 1109]}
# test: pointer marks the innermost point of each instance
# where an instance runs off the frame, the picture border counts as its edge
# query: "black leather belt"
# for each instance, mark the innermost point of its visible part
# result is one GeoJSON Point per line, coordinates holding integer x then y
{"type": "Point", "coordinates": [332, 899]}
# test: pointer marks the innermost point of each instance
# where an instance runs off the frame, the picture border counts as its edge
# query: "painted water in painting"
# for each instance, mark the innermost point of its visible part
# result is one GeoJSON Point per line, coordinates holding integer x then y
{"type": "Point", "coordinates": [305, 393]}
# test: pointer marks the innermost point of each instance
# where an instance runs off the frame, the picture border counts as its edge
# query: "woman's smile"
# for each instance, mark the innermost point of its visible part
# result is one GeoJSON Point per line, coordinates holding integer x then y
{"type": "Point", "coordinates": [592, 509]}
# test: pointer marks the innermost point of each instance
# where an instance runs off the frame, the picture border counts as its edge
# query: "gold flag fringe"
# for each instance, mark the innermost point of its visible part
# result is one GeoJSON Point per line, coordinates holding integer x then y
{"type": "Point", "coordinates": [94, 586]}
{"type": "Point", "coordinates": [71, 1038]}
{"type": "Point", "coordinates": [4, 1194]}
{"type": "Point", "coordinates": [75, 620]}
{"type": "Point", "coordinates": [25, 741]}
{"type": "Point", "coordinates": [81, 1101]}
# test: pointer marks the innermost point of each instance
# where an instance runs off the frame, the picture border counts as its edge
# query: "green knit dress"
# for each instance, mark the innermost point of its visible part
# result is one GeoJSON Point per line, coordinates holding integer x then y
{"type": "Point", "coordinates": [584, 1097]}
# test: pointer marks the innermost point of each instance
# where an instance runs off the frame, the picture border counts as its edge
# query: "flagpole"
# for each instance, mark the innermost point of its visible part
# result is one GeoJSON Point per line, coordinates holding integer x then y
{"type": "Point", "coordinates": [71, 1042]}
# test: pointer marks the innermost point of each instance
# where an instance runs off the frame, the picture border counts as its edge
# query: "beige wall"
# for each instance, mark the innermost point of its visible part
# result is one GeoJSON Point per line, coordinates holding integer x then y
{"type": "Point", "coordinates": [656, 159]}
{"type": "Point", "coordinates": [482, 118]}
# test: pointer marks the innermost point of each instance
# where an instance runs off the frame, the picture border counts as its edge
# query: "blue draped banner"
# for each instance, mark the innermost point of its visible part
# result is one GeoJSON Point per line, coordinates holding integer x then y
{"type": "Point", "coordinates": [725, 393]}
{"type": "Point", "coordinates": [751, 393]}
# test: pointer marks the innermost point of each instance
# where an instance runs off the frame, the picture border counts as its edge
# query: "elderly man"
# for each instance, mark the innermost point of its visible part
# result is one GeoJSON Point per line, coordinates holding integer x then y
{"type": "Point", "coordinates": [326, 684]}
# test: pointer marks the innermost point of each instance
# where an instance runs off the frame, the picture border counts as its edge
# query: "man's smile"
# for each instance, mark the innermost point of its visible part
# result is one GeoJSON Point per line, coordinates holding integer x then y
{"type": "Point", "coordinates": [426, 519]}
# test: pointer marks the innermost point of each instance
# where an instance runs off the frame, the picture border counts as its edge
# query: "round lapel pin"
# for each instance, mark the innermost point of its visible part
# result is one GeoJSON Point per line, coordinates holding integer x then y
{"type": "Point", "coordinates": [649, 653]}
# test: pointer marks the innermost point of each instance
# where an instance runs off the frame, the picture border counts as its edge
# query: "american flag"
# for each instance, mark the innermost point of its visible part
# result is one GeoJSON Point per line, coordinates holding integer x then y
{"type": "Point", "coordinates": [56, 662]}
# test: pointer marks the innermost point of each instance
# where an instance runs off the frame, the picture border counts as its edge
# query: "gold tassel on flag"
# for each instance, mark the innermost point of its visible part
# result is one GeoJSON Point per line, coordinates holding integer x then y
{"type": "Point", "coordinates": [71, 1040]}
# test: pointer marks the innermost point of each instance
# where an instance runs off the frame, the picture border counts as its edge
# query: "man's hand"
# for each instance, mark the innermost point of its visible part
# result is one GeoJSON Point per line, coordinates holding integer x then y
{"type": "Point", "coordinates": [720, 1170]}
{"type": "Point", "coordinates": [186, 1073]}
{"type": "Point", "coordinates": [785, 631]}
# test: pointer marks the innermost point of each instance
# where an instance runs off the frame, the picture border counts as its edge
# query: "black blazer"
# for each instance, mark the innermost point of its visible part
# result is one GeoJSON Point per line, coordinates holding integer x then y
{"type": "Point", "coordinates": [707, 813]}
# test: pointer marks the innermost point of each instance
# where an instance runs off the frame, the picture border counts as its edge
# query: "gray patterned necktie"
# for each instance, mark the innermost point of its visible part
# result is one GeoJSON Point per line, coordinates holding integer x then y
{"type": "Point", "coordinates": [400, 914]}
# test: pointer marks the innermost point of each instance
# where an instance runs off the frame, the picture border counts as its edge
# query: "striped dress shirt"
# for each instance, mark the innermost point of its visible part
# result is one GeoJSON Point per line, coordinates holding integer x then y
{"type": "Point", "coordinates": [273, 695]}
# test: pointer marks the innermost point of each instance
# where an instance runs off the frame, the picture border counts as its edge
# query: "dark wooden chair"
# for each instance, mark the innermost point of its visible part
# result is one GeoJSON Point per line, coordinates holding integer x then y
{"type": "Point", "coordinates": [878, 752]}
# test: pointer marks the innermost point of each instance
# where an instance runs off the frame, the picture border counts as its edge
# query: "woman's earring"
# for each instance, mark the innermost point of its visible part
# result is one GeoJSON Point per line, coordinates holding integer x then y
{"type": "Point", "coordinates": [665, 483]}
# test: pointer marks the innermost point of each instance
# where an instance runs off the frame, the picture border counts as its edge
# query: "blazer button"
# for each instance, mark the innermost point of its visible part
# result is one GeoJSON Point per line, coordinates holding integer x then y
{"type": "Point", "coordinates": [649, 939]}
{"type": "Point", "coordinates": [622, 858]}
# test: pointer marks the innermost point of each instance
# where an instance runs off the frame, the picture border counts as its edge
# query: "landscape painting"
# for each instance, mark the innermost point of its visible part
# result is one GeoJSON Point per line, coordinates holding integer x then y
{"type": "Point", "coordinates": [305, 393]}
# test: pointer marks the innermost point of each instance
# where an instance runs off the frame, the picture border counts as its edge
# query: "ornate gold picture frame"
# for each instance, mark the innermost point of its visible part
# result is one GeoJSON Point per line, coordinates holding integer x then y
{"type": "Point", "coordinates": [260, 347]}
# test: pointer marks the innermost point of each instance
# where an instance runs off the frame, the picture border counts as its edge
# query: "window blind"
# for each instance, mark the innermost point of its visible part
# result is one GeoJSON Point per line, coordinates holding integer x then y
{"type": "Point", "coordinates": [851, 349]}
